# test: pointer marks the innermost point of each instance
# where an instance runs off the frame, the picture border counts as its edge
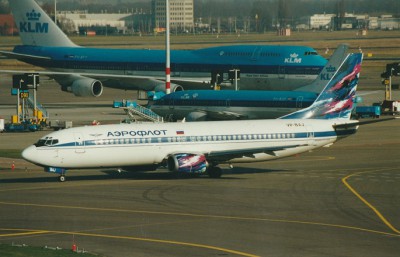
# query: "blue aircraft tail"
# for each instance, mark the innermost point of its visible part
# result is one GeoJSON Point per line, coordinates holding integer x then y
{"type": "Point", "coordinates": [328, 71]}
{"type": "Point", "coordinates": [336, 101]}
{"type": "Point", "coordinates": [35, 27]}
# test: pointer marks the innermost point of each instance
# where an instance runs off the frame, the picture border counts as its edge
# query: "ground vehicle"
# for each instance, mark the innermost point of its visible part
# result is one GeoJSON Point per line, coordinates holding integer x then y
{"type": "Point", "coordinates": [368, 111]}
{"type": "Point", "coordinates": [390, 107]}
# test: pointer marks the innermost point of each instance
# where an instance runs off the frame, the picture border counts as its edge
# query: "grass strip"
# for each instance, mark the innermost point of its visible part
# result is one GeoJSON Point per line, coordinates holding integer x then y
{"type": "Point", "coordinates": [10, 153]}
{"type": "Point", "coordinates": [31, 251]}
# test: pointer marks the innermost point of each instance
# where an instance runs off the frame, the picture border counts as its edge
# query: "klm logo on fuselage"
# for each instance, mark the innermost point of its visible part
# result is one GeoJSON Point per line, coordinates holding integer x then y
{"type": "Point", "coordinates": [330, 71]}
{"type": "Point", "coordinates": [294, 58]}
{"type": "Point", "coordinates": [33, 25]}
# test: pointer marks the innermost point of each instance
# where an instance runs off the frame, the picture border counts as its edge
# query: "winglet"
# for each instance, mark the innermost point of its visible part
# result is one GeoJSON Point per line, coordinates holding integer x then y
{"type": "Point", "coordinates": [35, 27]}
{"type": "Point", "coordinates": [336, 101]}
{"type": "Point", "coordinates": [328, 71]}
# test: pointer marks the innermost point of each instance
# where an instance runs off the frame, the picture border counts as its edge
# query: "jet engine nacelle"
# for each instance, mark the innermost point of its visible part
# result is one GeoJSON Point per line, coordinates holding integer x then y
{"type": "Point", "coordinates": [196, 116]}
{"type": "Point", "coordinates": [85, 87]}
{"type": "Point", "coordinates": [187, 163]}
{"type": "Point", "coordinates": [174, 88]}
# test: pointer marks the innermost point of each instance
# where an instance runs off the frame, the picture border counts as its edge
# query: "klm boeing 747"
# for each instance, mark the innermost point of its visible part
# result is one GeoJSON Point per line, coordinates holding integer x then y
{"type": "Point", "coordinates": [84, 71]}
{"type": "Point", "coordinates": [198, 147]}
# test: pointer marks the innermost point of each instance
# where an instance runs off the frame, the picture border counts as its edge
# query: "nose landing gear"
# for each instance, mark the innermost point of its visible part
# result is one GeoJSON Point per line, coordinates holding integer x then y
{"type": "Point", "coordinates": [62, 178]}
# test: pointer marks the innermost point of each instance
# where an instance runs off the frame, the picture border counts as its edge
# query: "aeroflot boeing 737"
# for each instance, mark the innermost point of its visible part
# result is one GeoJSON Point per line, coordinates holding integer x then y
{"type": "Point", "coordinates": [198, 147]}
{"type": "Point", "coordinates": [83, 71]}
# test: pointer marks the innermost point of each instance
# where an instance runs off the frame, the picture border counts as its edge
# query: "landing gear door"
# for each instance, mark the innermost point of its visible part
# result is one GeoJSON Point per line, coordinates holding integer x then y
{"type": "Point", "coordinates": [79, 143]}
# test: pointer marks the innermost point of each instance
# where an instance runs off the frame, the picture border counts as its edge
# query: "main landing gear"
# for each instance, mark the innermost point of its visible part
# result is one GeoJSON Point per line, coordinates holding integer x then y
{"type": "Point", "coordinates": [214, 172]}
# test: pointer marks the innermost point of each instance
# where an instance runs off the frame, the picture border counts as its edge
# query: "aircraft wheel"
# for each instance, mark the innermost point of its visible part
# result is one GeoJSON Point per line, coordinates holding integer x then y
{"type": "Point", "coordinates": [61, 178]}
{"type": "Point", "coordinates": [214, 172]}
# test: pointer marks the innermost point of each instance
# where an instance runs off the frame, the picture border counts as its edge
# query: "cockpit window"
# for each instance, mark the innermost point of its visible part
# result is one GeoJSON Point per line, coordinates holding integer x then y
{"type": "Point", "coordinates": [310, 53]}
{"type": "Point", "coordinates": [47, 141]}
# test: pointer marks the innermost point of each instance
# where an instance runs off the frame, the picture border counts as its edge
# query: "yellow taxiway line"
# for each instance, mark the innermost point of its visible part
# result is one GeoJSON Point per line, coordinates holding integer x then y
{"type": "Point", "coordinates": [377, 212]}
{"type": "Point", "coordinates": [36, 232]}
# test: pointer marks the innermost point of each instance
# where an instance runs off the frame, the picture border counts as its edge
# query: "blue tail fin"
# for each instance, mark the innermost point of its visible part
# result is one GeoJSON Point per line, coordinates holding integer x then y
{"type": "Point", "coordinates": [336, 101]}
{"type": "Point", "coordinates": [328, 71]}
{"type": "Point", "coordinates": [35, 27]}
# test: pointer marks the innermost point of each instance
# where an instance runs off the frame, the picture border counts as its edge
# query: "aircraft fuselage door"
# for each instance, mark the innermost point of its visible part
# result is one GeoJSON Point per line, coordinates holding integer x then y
{"type": "Point", "coordinates": [310, 136]}
{"type": "Point", "coordinates": [256, 53]}
{"type": "Point", "coordinates": [79, 143]}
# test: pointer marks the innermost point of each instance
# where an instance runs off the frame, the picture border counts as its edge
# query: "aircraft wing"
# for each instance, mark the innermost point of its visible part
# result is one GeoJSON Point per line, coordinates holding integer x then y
{"type": "Point", "coordinates": [127, 82]}
{"type": "Point", "coordinates": [116, 80]}
{"type": "Point", "coordinates": [214, 115]}
{"type": "Point", "coordinates": [224, 115]}
{"type": "Point", "coordinates": [18, 56]}
{"type": "Point", "coordinates": [121, 81]}
{"type": "Point", "coordinates": [91, 75]}
{"type": "Point", "coordinates": [240, 153]}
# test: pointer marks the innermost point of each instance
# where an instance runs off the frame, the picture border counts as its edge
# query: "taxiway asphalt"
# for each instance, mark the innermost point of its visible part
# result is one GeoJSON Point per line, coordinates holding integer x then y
{"type": "Point", "coordinates": [336, 201]}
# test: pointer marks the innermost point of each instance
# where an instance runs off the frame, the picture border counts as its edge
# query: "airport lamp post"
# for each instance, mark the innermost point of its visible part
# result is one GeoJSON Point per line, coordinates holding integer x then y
{"type": "Point", "coordinates": [236, 79]}
{"type": "Point", "coordinates": [18, 100]}
{"type": "Point", "coordinates": [55, 11]}
{"type": "Point", "coordinates": [234, 76]}
{"type": "Point", "coordinates": [167, 51]}
{"type": "Point", "coordinates": [35, 84]}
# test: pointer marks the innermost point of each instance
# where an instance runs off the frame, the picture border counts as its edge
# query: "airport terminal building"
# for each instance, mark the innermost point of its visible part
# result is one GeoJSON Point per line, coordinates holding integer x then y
{"type": "Point", "coordinates": [181, 15]}
{"type": "Point", "coordinates": [349, 21]}
{"type": "Point", "coordinates": [84, 23]}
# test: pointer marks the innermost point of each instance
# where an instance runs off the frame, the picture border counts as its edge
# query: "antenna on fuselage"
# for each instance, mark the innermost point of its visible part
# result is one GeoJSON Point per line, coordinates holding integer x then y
{"type": "Point", "coordinates": [167, 51]}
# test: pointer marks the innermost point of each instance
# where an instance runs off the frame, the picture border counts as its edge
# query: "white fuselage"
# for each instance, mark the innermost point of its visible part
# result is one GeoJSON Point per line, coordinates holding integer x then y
{"type": "Point", "coordinates": [151, 143]}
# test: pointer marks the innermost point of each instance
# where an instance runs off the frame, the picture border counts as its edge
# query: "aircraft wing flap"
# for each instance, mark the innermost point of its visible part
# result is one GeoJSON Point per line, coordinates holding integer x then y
{"type": "Point", "coordinates": [239, 153]}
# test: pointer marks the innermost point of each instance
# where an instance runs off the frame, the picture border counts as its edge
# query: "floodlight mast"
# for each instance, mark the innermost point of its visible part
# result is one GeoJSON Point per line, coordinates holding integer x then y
{"type": "Point", "coordinates": [167, 51]}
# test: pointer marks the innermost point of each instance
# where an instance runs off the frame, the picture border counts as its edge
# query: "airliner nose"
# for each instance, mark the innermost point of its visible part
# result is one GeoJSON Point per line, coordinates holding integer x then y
{"type": "Point", "coordinates": [29, 153]}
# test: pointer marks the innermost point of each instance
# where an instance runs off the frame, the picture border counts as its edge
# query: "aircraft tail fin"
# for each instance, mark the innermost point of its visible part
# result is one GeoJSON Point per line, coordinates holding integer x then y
{"type": "Point", "coordinates": [35, 27]}
{"type": "Point", "coordinates": [328, 71]}
{"type": "Point", "coordinates": [336, 101]}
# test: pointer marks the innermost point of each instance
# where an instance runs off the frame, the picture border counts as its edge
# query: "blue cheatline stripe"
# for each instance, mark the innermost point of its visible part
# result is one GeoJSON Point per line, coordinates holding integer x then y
{"type": "Point", "coordinates": [208, 138]}
{"type": "Point", "coordinates": [154, 67]}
